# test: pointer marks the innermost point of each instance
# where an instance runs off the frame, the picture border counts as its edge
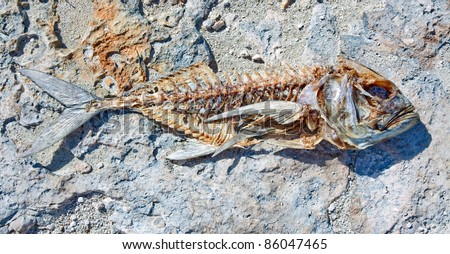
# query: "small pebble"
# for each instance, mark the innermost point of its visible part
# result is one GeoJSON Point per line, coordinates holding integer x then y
{"type": "Point", "coordinates": [244, 54]}
{"type": "Point", "coordinates": [331, 208]}
{"type": "Point", "coordinates": [80, 200]}
{"type": "Point", "coordinates": [72, 224]}
{"type": "Point", "coordinates": [215, 16]}
{"type": "Point", "coordinates": [100, 165]}
{"type": "Point", "coordinates": [83, 168]}
{"type": "Point", "coordinates": [88, 52]}
{"type": "Point", "coordinates": [159, 222]}
{"type": "Point", "coordinates": [208, 24]}
{"type": "Point", "coordinates": [408, 42]}
{"type": "Point", "coordinates": [257, 59]}
{"type": "Point", "coordinates": [422, 230]}
{"type": "Point", "coordinates": [218, 26]}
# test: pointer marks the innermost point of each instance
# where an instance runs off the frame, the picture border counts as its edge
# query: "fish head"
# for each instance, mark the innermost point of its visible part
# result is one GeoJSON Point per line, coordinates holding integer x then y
{"type": "Point", "coordinates": [362, 107]}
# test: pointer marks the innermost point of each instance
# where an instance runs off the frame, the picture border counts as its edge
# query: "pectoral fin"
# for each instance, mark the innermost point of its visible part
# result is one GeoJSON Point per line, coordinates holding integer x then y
{"type": "Point", "coordinates": [281, 110]}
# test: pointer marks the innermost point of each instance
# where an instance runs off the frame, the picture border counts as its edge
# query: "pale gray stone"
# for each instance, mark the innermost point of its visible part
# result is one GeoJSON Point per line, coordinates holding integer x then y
{"type": "Point", "coordinates": [117, 161]}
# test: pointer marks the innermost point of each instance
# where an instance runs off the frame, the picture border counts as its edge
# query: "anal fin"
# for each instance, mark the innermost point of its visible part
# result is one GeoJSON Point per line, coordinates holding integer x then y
{"type": "Point", "coordinates": [300, 143]}
{"type": "Point", "coordinates": [241, 136]}
{"type": "Point", "coordinates": [191, 151]}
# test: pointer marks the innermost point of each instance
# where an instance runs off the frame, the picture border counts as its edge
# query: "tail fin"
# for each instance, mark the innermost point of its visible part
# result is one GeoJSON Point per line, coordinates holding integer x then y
{"type": "Point", "coordinates": [73, 97]}
{"type": "Point", "coordinates": [65, 92]}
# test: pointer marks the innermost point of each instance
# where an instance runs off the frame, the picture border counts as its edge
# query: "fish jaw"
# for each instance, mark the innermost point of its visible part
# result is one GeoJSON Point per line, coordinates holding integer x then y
{"type": "Point", "coordinates": [402, 125]}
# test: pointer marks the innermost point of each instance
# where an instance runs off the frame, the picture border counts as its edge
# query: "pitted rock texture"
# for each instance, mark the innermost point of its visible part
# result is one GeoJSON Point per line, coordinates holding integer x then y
{"type": "Point", "coordinates": [111, 175]}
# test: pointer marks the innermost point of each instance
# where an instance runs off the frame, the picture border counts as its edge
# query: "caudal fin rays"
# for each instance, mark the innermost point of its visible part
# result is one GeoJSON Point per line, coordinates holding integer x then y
{"type": "Point", "coordinates": [67, 122]}
{"type": "Point", "coordinates": [72, 96]}
{"type": "Point", "coordinates": [63, 91]}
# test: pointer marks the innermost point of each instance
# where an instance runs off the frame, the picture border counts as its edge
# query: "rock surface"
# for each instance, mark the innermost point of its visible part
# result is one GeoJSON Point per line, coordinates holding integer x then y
{"type": "Point", "coordinates": [111, 175]}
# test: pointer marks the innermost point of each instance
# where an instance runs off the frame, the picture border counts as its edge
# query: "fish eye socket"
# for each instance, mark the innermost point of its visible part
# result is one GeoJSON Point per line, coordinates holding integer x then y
{"type": "Point", "coordinates": [378, 91]}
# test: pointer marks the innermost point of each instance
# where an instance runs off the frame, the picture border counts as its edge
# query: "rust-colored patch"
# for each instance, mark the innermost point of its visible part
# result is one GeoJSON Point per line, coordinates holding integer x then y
{"type": "Point", "coordinates": [117, 40]}
{"type": "Point", "coordinates": [105, 10]}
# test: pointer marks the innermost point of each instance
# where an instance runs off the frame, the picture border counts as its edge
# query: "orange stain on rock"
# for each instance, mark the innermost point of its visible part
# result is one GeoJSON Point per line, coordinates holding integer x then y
{"type": "Point", "coordinates": [118, 39]}
{"type": "Point", "coordinates": [105, 10]}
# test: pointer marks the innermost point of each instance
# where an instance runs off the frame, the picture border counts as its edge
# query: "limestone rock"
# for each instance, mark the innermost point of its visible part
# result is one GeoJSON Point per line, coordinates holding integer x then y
{"type": "Point", "coordinates": [116, 163]}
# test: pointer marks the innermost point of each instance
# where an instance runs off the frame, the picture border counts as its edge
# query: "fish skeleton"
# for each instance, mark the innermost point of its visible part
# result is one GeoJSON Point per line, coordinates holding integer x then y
{"type": "Point", "coordinates": [348, 105]}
